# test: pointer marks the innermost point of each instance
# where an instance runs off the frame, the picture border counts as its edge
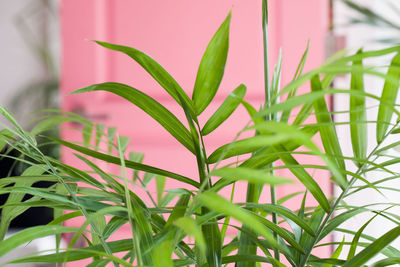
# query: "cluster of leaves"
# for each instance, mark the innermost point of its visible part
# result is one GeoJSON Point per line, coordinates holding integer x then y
{"type": "Point", "coordinates": [160, 227]}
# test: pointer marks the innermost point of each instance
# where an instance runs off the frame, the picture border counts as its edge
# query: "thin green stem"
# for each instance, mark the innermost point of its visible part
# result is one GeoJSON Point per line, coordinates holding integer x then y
{"type": "Point", "coordinates": [268, 102]}
{"type": "Point", "coordinates": [340, 198]}
{"type": "Point", "coordinates": [136, 243]}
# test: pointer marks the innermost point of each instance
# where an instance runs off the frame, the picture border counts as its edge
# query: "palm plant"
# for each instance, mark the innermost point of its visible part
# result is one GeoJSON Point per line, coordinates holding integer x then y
{"type": "Point", "coordinates": [163, 228]}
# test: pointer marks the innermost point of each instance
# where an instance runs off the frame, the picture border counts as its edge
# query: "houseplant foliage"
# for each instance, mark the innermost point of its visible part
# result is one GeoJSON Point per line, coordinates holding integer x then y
{"type": "Point", "coordinates": [187, 226]}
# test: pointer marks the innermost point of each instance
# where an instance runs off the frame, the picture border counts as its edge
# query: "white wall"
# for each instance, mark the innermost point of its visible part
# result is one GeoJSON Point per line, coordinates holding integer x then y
{"type": "Point", "coordinates": [362, 36]}
{"type": "Point", "coordinates": [19, 66]}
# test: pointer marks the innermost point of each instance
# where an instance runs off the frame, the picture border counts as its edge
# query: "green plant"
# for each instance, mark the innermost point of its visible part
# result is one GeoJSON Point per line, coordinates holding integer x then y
{"type": "Point", "coordinates": [270, 232]}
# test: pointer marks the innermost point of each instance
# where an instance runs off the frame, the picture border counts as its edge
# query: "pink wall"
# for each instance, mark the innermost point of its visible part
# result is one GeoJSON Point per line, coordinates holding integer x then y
{"type": "Point", "coordinates": [175, 33]}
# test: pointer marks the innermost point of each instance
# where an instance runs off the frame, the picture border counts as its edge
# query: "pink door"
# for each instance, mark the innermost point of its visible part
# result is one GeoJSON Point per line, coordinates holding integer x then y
{"type": "Point", "coordinates": [175, 33]}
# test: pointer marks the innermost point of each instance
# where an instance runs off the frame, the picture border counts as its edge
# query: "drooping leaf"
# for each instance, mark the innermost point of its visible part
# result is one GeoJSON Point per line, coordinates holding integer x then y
{"type": "Point", "coordinates": [212, 67]}
{"type": "Point", "coordinates": [158, 112]}
{"type": "Point", "coordinates": [30, 234]}
{"type": "Point", "coordinates": [155, 70]}
{"type": "Point", "coordinates": [129, 164]}
{"type": "Point", "coordinates": [74, 255]}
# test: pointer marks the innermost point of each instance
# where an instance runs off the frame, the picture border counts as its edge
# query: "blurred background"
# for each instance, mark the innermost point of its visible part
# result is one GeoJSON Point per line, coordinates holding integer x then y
{"type": "Point", "coordinates": [29, 67]}
{"type": "Point", "coordinates": [30, 63]}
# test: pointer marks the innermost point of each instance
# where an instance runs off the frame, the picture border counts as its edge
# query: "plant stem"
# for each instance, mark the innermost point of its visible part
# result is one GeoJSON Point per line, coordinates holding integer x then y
{"type": "Point", "coordinates": [268, 102]}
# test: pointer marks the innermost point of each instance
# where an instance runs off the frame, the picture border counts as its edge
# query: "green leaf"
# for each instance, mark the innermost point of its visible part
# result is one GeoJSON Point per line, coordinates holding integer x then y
{"type": "Point", "coordinates": [336, 253]}
{"type": "Point", "coordinates": [10, 213]}
{"type": "Point", "coordinates": [251, 258]}
{"type": "Point", "coordinates": [374, 248]}
{"type": "Point", "coordinates": [246, 174]}
{"type": "Point", "coordinates": [212, 67]}
{"type": "Point", "coordinates": [358, 114]}
{"type": "Point", "coordinates": [285, 213]}
{"type": "Point", "coordinates": [336, 221]}
{"type": "Point", "coordinates": [244, 146]}
{"type": "Point", "coordinates": [191, 228]}
{"type": "Point", "coordinates": [155, 70]}
{"type": "Point", "coordinates": [30, 234]}
{"type": "Point", "coordinates": [160, 184]}
{"type": "Point", "coordinates": [387, 262]}
{"type": "Point", "coordinates": [220, 204]}
{"type": "Point", "coordinates": [356, 238]}
{"type": "Point", "coordinates": [293, 133]}
{"type": "Point", "coordinates": [389, 95]}
{"type": "Point", "coordinates": [306, 179]}
{"type": "Point", "coordinates": [78, 254]}
{"type": "Point", "coordinates": [129, 164]}
{"type": "Point", "coordinates": [268, 155]}
{"type": "Point", "coordinates": [52, 121]}
{"type": "Point", "coordinates": [99, 134]}
{"type": "Point", "coordinates": [225, 110]}
{"type": "Point", "coordinates": [162, 254]}
{"type": "Point", "coordinates": [87, 134]}
{"type": "Point", "coordinates": [113, 225]}
{"type": "Point", "coordinates": [111, 131]}
{"type": "Point", "coordinates": [328, 134]}
{"type": "Point", "coordinates": [179, 210]}
{"type": "Point", "coordinates": [158, 112]}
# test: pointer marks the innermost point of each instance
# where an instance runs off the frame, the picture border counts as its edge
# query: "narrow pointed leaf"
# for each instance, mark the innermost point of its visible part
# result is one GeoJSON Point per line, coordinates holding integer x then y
{"type": "Point", "coordinates": [374, 248]}
{"type": "Point", "coordinates": [307, 180]}
{"type": "Point", "coordinates": [10, 213]}
{"type": "Point", "coordinates": [162, 254]}
{"type": "Point", "coordinates": [246, 174]}
{"type": "Point", "coordinates": [284, 213]}
{"type": "Point", "coordinates": [191, 228]}
{"type": "Point", "coordinates": [220, 204]}
{"type": "Point", "coordinates": [155, 70]}
{"type": "Point", "coordinates": [387, 262]}
{"type": "Point", "coordinates": [79, 254]}
{"type": "Point", "coordinates": [336, 253]}
{"type": "Point", "coordinates": [245, 146]}
{"type": "Point", "coordinates": [158, 112]}
{"type": "Point", "coordinates": [30, 234]}
{"type": "Point", "coordinates": [328, 133]}
{"type": "Point", "coordinates": [356, 238]}
{"type": "Point", "coordinates": [178, 210]}
{"type": "Point", "coordinates": [212, 67]}
{"type": "Point", "coordinates": [389, 95]}
{"type": "Point", "coordinates": [358, 131]}
{"type": "Point", "coordinates": [225, 110]}
{"type": "Point", "coordinates": [129, 164]}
